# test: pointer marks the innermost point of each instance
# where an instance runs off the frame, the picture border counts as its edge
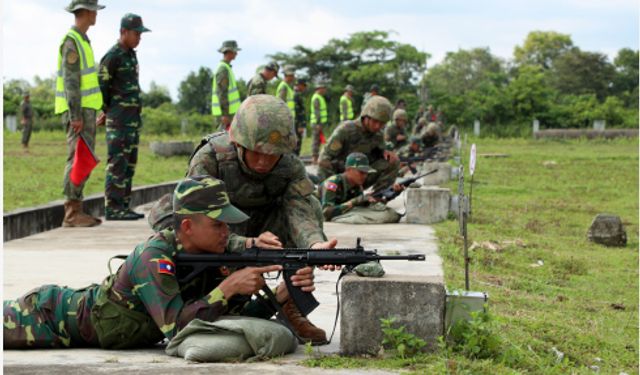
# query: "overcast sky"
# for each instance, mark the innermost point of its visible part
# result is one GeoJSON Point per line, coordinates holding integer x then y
{"type": "Point", "coordinates": [187, 33]}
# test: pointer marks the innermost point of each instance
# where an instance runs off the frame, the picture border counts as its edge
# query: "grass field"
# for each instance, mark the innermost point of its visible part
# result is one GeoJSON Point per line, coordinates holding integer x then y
{"type": "Point", "coordinates": [583, 300]}
{"type": "Point", "coordinates": [536, 204]}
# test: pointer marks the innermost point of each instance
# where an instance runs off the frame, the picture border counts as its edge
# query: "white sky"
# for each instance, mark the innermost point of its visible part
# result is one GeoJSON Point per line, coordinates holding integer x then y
{"type": "Point", "coordinates": [186, 33]}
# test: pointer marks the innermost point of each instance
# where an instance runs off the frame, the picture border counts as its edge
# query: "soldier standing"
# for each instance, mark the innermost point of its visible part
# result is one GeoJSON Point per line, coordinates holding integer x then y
{"type": "Point", "coordinates": [301, 112]}
{"type": "Point", "coordinates": [143, 302]}
{"type": "Point", "coordinates": [319, 118]}
{"type": "Point", "coordinates": [225, 97]}
{"type": "Point", "coordinates": [346, 104]}
{"type": "Point", "coordinates": [258, 84]}
{"type": "Point", "coordinates": [26, 113]}
{"type": "Point", "coordinates": [373, 91]}
{"type": "Point", "coordinates": [268, 182]}
{"type": "Point", "coordinates": [77, 99]}
{"type": "Point", "coordinates": [363, 135]}
{"type": "Point", "coordinates": [120, 88]}
{"type": "Point", "coordinates": [396, 133]}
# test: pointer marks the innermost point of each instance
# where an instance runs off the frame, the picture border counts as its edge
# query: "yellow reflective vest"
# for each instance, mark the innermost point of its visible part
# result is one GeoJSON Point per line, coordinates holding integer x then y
{"type": "Point", "coordinates": [233, 95]}
{"type": "Point", "coordinates": [90, 94]}
{"type": "Point", "coordinates": [290, 103]}
{"type": "Point", "coordinates": [344, 98]}
{"type": "Point", "coordinates": [323, 109]}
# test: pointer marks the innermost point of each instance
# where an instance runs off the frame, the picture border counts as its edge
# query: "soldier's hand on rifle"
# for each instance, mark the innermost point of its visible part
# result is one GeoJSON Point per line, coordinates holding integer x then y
{"type": "Point", "coordinates": [303, 279]}
{"type": "Point", "coordinates": [265, 240]}
{"type": "Point", "coordinates": [327, 245]}
{"type": "Point", "coordinates": [397, 187]}
{"type": "Point", "coordinates": [246, 281]}
{"type": "Point", "coordinates": [390, 156]}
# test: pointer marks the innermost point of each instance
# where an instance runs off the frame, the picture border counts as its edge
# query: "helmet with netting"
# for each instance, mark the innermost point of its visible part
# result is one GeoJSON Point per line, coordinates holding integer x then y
{"type": "Point", "coordinates": [378, 108]}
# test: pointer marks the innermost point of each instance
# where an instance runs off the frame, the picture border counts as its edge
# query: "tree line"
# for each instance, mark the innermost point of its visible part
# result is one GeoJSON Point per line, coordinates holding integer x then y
{"type": "Point", "coordinates": [548, 79]}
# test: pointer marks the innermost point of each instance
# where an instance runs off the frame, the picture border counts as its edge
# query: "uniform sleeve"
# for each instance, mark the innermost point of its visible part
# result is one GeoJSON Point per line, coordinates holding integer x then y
{"type": "Point", "coordinates": [303, 209]}
{"type": "Point", "coordinates": [107, 71]}
{"type": "Point", "coordinates": [331, 206]}
{"type": "Point", "coordinates": [222, 89]}
{"type": "Point", "coordinates": [316, 110]}
{"type": "Point", "coordinates": [345, 111]}
{"type": "Point", "coordinates": [282, 94]}
{"type": "Point", "coordinates": [389, 134]}
{"type": "Point", "coordinates": [155, 284]}
{"type": "Point", "coordinates": [331, 152]}
{"type": "Point", "coordinates": [71, 78]}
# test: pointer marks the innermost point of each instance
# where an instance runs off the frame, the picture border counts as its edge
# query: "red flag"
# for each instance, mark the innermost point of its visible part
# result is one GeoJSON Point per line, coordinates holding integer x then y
{"type": "Point", "coordinates": [323, 140]}
{"type": "Point", "coordinates": [84, 161]}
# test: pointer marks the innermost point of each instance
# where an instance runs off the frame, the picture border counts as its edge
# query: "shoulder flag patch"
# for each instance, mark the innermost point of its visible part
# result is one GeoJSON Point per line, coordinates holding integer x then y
{"type": "Point", "coordinates": [166, 267]}
{"type": "Point", "coordinates": [331, 186]}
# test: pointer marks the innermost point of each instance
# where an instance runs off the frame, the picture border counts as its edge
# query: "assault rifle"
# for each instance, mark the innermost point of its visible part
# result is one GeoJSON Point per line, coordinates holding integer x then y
{"type": "Point", "coordinates": [291, 260]}
{"type": "Point", "coordinates": [429, 153]}
{"type": "Point", "coordinates": [387, 194]}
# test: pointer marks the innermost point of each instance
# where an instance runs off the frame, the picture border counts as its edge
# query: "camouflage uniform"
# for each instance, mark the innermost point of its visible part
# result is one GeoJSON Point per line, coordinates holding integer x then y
{"type": "Point", "coordinates": [393, 130]}
{"type": "Point", "coordinates": [351, 136]}
{"type": "Point", "coordinates": [430, 135]}
{"type": "Point", "coordinates": [138, 306]}
{"type": "Point", "coordinates": [338, 196]}
{"type": "Point", "coordinates": [301, 117]}
{"type": "Point", "coordinates": [26, 112]}
{"type": "Point", "coordinates": [71, 77]}
{"type": "Point", "coordinates": [222, 90]}
{"type": "Point", "coordinates": [118, 76]}
{"type": "Point", "coordinates": [257, 85]}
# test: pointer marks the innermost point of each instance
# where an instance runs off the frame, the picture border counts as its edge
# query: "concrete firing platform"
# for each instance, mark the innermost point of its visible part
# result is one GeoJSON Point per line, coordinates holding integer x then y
{"type": "Point", "coordinates": [77, 257]}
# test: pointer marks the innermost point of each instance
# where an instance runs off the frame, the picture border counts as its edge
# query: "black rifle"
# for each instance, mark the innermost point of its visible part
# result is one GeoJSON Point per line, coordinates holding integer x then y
{"type": "Point", "coordinates": [291, 260]}
{"type": "Point", "coordinates": [429, 153]}
{"type": "Point", "coordinates": [387, 194]}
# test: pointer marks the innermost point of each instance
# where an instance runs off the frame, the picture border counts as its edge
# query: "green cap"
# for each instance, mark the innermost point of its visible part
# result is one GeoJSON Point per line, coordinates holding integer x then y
{"type": "Point", "coordinates": [132, 21]}
{"type": "Point", "coordinates": [359, 161]}
{"type": "Point", "coordinates": [208, 196]}
{"type": "Point", "coordinates": [229, 45]}
{"type": "Point", "coordinates": [83, 4]}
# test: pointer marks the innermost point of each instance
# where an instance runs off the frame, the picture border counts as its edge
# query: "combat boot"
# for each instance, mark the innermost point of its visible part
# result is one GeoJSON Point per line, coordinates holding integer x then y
{"type": "Point", "coordinates": [302, 326]}
{"type": "Point", "coordinates": [74, 217]}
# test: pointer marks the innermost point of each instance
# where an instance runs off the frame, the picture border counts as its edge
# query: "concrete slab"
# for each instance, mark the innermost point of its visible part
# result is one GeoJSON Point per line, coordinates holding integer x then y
{"type": "Point", "coordinates": [77, 257]}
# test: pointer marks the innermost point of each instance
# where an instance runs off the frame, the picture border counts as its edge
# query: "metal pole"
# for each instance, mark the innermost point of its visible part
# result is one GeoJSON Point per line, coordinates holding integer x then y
{"type": "Point", "coordinates": [466, 250]}
{"type": "Point", "coordinates": [470, 196]}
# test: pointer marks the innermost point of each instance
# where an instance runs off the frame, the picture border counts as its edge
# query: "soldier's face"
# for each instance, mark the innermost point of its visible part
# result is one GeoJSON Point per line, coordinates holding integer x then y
{"type": "Point", "coordinates": [259, 162]}
{"type": "Point", "coordinates": [131, 38]}
{"type": "Point", "coordinates": [373, 125]}
{"type": "Point", "coordinates": [207, 234]}
{"type": "Point", "coordinates": [401, 122]}
{"type": "Point", "coordinates": [356, 177]}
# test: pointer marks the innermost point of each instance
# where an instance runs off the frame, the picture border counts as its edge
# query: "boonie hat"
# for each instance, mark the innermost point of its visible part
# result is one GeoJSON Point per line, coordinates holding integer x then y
{"type": "Point", "coordinates": [83, 4]}
{"type": "Point", "coordinates": [229, 45]}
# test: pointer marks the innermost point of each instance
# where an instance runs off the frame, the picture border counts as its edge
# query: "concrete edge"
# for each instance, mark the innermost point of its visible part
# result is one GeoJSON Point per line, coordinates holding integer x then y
{"type": "Point", "coordinates": [27, 221]}
{"type": "Point", "coordinates": [587, 133]}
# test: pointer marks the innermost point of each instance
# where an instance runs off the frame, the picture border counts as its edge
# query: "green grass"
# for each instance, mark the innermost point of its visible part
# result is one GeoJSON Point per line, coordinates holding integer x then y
{"type": "Point", "coordinates": [568, 302]}
{"type": "Point", "coordinates": [35, 178]}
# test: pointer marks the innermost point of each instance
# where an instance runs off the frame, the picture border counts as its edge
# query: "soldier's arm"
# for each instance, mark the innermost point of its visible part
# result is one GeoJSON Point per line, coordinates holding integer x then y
{"type": "Point", "coordinates": [305, 220]}
{"type": "Point", "coordinates": [331, 207]}
{"type": "Point", "coordinates": [345, 109]}
{"type": "Point", "coordinates": [282, 94]}
{"type": "Point", "coordinates": [222, 89]}
{"type": "Point", "coordinates": [316, 110]}
{"type": "Point", "coordinates": [71, 77]}
{"type": "Point", "coordinates": [159, 291]}
{"type": "Point", "coordinates": [107, 70]}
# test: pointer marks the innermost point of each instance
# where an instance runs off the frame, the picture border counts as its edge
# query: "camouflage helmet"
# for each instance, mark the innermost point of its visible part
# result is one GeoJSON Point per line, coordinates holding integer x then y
{"type": "Point", "coordinates": [432, 130]}
{"type": "Point", "coordinates": [264, 124]}
{"type": "Point", "coordinates": [378, 108]}
{"type": "Point", "coordinates": [422, 121]}
{"type": "Point", "coordinates": [400, 114]}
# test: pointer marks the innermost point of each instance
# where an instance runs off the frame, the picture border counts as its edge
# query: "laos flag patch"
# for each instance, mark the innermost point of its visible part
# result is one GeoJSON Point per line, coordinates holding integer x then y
{"type": "Point", "coordinates": [166, 266]}
{"type": "Point", "coordinates": [331, 186]}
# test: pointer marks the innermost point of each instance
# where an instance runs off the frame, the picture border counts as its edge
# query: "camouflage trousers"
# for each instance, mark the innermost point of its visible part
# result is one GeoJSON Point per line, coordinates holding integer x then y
{"type": "Point", "coordinates": [122, 145]}
{"type": "Point", "coordinates": [26, 132]}
{"type": "Point", "coordinates": [315, 145]}
{"type": "Point", "coordinates": [374, 214]}
{"type": "Point", "coordinates": [300, 133]}
{"type": "Point", "coordinates": [71, 191]}
{"type": "Point", "coordinates": [50, 316]}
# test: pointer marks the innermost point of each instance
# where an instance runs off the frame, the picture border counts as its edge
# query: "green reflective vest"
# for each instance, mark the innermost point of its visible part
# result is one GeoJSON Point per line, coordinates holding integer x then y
{"type": "Point", "coordinates": [90, 94]}
{"type": "Point", "coordinates": [323, 109]}
{"type": "Point", "coordinates": [233, 95]}
{"type": "Point", "coordinates": [290, 103]}
{"type": "Point", "coordinates": [344, 98]}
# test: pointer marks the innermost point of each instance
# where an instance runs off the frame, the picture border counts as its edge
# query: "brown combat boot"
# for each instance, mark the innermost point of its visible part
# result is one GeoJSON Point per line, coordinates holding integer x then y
{"type": "Point", "coordinates": [303, 327]}
{"type": "Point", "coordinates": [74, 217]}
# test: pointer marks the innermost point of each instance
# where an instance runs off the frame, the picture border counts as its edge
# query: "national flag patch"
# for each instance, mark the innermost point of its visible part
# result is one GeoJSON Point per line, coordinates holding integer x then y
{"type": "Point", "coordinates": [166, 266]}
{"type": "Point", "coordinates": [331, 186]}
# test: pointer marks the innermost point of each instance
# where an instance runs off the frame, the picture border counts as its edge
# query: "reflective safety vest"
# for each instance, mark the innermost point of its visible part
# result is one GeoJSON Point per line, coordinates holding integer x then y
{"type": "Point", "coordinates": [290, 103]}
{"type": "Point", "coordinates": [323, 109]}
{"type": "Point", "coordinates": [345, 98]}
{"type": "Point", "coordinates": [90, 94]}
{"type": "Point", "coordinates": [233, 95]}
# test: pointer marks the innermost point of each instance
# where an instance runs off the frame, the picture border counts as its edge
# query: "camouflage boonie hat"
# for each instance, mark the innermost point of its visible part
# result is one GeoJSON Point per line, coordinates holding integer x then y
{"type": "Point", "coordinates": [264, 124]}
{"type": "Point", "coordinates": [229, 45]}
{"type": "Point", "coordinates": [359, 161]}
{"type": "Point", "coordinates": [379, 108]}
{"type": "Point", "coordinates": [289, 70]}
{"type": "Point", "coordinates": [273, 66]}
{"type": "Point", "coordinates": [83, 4]}
{"type": "Point", "coordinates": [400, 113]}
{"type": "Point", "coordinates": [348, 88]}
{"type": "Point", "coordinates": [208, 196]}
{"type": "Point", "coordinates": [132, 21]}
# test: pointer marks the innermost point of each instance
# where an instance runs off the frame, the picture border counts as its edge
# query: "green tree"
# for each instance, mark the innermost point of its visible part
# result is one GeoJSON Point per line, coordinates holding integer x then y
{"type": "Point", "coordinates": [625, 82]}
{"type": "Point", "coordinates": [156, 96]}
{"type": "Point", "coordinates": [194, 93]}
{"type": "Point", "coordinates": [530, 94]}
{"type": "Point", "coordinates": [580, 73]}
{"type": "Point", "coordinates": [542, 48]}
